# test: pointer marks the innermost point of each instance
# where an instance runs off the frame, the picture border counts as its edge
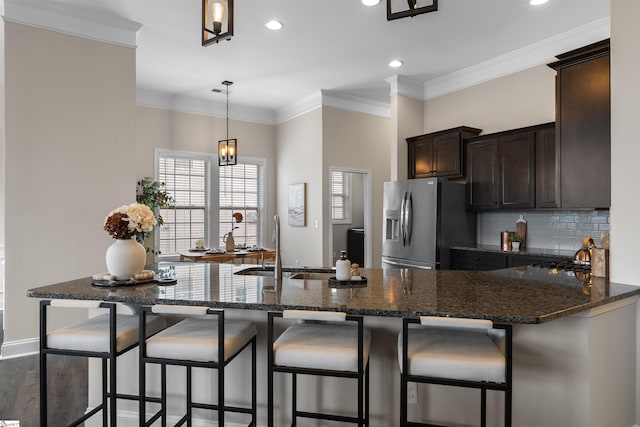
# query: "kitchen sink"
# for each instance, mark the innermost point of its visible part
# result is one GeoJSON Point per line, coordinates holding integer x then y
{"type": "Point", "coordinates": [291, 273]}
{"type": "Point", "coordinates": [265, 272]}
{"type": "Point", "coordinates": [310, 276]}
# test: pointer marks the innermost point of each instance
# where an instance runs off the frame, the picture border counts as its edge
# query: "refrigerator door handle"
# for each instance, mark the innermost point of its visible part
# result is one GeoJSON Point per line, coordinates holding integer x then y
{"type": "Point", "coordinates": [402, 218]}
{"type": "Point", "coordinates": [409, 213]}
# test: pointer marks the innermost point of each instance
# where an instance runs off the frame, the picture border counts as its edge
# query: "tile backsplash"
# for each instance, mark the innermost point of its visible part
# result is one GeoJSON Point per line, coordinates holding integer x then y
{"type": "Point", "coordinates": [560, 229]}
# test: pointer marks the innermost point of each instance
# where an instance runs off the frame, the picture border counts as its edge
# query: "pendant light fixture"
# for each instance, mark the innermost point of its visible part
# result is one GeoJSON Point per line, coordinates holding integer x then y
{"type": "Point", "coordinates": [410, 8]}
{"type": "Point", "coordinates": [227, 148]}
{"type": "Point", "coordinates": [217, 21]}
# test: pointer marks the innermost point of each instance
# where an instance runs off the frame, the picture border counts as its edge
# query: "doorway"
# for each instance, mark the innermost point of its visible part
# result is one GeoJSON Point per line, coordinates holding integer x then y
{"type": "Point", "coordinates": [350, 215]}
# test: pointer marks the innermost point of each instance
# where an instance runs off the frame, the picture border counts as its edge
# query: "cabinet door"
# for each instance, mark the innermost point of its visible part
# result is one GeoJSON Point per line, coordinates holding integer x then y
{"type": "Point", "coordinates": [472, 260]}
{"type": "Point", "coordinates": [447, 155]}
{"type": "Point", "coordinates": [585, 134]}
{"type": "Point", "coordinates": [482, 174]}
{"type": "Point", "coordinates": [547, 169]}
{"type": "Point", "coordinates": [421, 158]}
{"type": "Point", "coordinates": [517, 164]}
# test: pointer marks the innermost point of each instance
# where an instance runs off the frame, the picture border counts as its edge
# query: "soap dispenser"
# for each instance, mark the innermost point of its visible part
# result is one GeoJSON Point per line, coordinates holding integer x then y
{"type": "Point", "coordinates": [343, 267]}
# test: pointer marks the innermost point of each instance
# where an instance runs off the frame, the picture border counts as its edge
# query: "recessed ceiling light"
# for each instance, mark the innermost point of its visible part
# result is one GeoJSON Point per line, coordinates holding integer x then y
{"type": "Point", "coordinates": [395, 63]}
{"type": "Point", "coordinates": [274, 25]}
{"type": "Point", "coordinates": [370, 2]}
{"type": "Point", "coordinates": [537, 2]}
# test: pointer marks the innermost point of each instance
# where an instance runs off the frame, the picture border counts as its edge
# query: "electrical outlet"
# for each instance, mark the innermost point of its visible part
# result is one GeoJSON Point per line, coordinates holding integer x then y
{"type": "Point", "coordinates": [412, 393]}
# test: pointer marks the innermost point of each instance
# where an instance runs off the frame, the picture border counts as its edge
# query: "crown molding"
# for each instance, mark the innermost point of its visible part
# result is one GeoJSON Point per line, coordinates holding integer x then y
{"type": "Point", "coordinates": [328, 98]}
{"type": "Point", "coordinates": [529, 56]}
{"type": "Point", "coordinates": [356, 104]}
{"type": "Point", "coordinates": [299, 108]}
{"type": "Point", "coordinates": [402, 85]}
{"type": "Point", "coordinates": [72, 21]}
{"type": "Point", "coordinates": [185, 104]}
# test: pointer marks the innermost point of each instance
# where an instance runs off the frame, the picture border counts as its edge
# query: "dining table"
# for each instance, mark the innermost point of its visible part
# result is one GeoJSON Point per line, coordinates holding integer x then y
{"type": "Point", "coordinates": [244, 256]}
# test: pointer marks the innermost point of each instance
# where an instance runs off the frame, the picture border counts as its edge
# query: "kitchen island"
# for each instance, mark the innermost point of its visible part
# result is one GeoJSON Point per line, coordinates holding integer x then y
{"type": "Point", "coordinates": [565, 334]}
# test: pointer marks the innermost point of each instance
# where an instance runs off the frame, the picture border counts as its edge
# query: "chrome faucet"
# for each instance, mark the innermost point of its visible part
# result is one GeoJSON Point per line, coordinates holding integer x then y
{"type": "Point", "coordinates": [277, 269]}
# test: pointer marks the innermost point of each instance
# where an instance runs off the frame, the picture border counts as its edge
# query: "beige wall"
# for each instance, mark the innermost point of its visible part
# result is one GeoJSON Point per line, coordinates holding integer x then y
{"type": "Point", "coordinates": [625, 152]}
{"type": "Point", "coordinates": [520, 99]}
{"type": "Point", "coordinates": [358, 141]}
{"type": "Point", "coordinates": [2, 167]}
{"type": "Point", "coordinates": [70, 130]}
{"type": "Point", "coordinates": [406, 121]}
{"type": "Point", "coordinates": [299, 153]}
{"type": "Point", "coordinates": [158, 128]}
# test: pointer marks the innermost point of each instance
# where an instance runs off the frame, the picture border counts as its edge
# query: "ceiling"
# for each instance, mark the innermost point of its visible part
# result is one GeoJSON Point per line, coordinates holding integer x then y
{"type": "Point", "coordinates": [334, 45]}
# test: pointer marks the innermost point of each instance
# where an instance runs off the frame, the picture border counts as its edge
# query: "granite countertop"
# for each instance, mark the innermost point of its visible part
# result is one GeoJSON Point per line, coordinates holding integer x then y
{"type": "Point", "coordinates": [524, 295]}
{"type": "Point", "coordinates": [560, 253]}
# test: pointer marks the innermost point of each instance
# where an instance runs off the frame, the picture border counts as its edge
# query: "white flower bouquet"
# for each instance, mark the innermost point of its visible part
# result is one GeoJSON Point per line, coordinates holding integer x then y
{"type": "Point", "coordinates": [128, 221]}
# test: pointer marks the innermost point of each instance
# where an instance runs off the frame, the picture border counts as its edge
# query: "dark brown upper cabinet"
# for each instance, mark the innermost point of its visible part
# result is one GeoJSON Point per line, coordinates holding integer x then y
{"type": "Point", "coordinates": [583, 118]}
{"type": "Point", "coordinates": [438, 153]}
{"type": "Point", "coordinates": [501, 168]}
{"type": "Point", "coordinates": [547, 168]}
{"type": "Point", "coordinates": [482, 174]}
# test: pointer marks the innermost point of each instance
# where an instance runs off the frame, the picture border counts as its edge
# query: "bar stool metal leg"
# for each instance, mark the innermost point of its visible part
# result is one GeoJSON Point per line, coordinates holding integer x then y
{"type": "Point", "coordinates": [294, 398]}
{"type": "Point", "coordinates": [43, 366]}
{"type": "Point", "coordinates": [163, 380]}
{"type": "Point", "coordinates": [105, 392]}
{"type": "Point", "coordinates": [189, 397]}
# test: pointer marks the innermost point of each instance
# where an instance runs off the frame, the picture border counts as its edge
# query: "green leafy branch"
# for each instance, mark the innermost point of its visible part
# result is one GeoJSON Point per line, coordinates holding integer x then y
{"type": "Point", "coordinates": [151, 193]}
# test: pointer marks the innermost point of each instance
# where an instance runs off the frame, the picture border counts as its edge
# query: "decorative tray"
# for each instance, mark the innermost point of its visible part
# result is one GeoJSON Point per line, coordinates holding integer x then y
{"type": "Point", "coordinates": [198, 250]}
{"type": "Point", "coordinates": [347, 283]}
{"type": "Point", "coordinates": [146, 276]}
{"type": "Point", "coordinates": [132, 282]}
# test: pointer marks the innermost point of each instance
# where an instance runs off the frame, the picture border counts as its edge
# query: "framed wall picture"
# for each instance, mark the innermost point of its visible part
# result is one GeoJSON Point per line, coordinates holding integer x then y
{"type": "Point", "coordinates": [297, 204]}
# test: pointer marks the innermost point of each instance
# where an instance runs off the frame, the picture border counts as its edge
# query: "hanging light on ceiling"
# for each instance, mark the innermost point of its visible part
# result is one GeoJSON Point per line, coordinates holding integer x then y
{"type": "Point", "coordinates": [227, 148]}
{"type": "Point", "coordinates": [217, 21]}
{"type": "Point", "coordinates": [409, 8]}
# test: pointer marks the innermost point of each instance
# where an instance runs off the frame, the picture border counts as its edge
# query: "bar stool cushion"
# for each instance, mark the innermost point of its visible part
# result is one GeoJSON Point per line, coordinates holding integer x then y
{"type": "Point", "coordinates": [197, 340]}
{"type": "Point", "coordinates": [453, 354]}
{"type": "Point", "coordinates": [93, 334]}
{"type": "Point", "coordinates": [331, 346]}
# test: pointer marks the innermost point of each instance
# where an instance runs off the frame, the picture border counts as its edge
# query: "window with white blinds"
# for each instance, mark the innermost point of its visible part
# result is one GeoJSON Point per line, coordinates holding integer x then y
{"type": "Point", "coordinates": [242, 190]}
{"type": "Point", "coordinates": [187, 178]}
{"type": "Point", "coordinates": [340, 197]}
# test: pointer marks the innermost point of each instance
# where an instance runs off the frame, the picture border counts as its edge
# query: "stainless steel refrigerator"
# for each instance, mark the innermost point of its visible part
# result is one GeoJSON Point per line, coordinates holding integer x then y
{"type": "Point", "coordinates": [422, 218]}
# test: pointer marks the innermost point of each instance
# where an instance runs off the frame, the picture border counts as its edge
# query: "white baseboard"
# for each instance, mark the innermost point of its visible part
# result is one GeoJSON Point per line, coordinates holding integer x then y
{"type": "Point", "coordinates": [130, 419]}
{"type": "Point", "coordinates": [20, 348]}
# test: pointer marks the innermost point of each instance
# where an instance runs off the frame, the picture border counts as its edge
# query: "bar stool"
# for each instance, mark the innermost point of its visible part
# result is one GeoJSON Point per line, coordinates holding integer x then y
{"type": "Point", "coordinates": [196, 341]}
{"type": "Point", "coordinates": [471, 353]}
{"type": "Point", "coordinates": [325, 344]}
{"type": "Point", "coordinates": [105, 336]}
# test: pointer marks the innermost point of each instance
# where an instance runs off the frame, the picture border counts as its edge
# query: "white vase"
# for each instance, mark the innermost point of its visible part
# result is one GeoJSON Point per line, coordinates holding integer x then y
{"type": "Point", "coordinates": [230, 244]}
{"type": "Point", "coordinates": [125, 258]}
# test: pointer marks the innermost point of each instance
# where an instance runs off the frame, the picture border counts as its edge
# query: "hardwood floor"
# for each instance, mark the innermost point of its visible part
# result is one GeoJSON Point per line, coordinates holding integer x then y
{"type": "Point", "coordinates": [19, 389]}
